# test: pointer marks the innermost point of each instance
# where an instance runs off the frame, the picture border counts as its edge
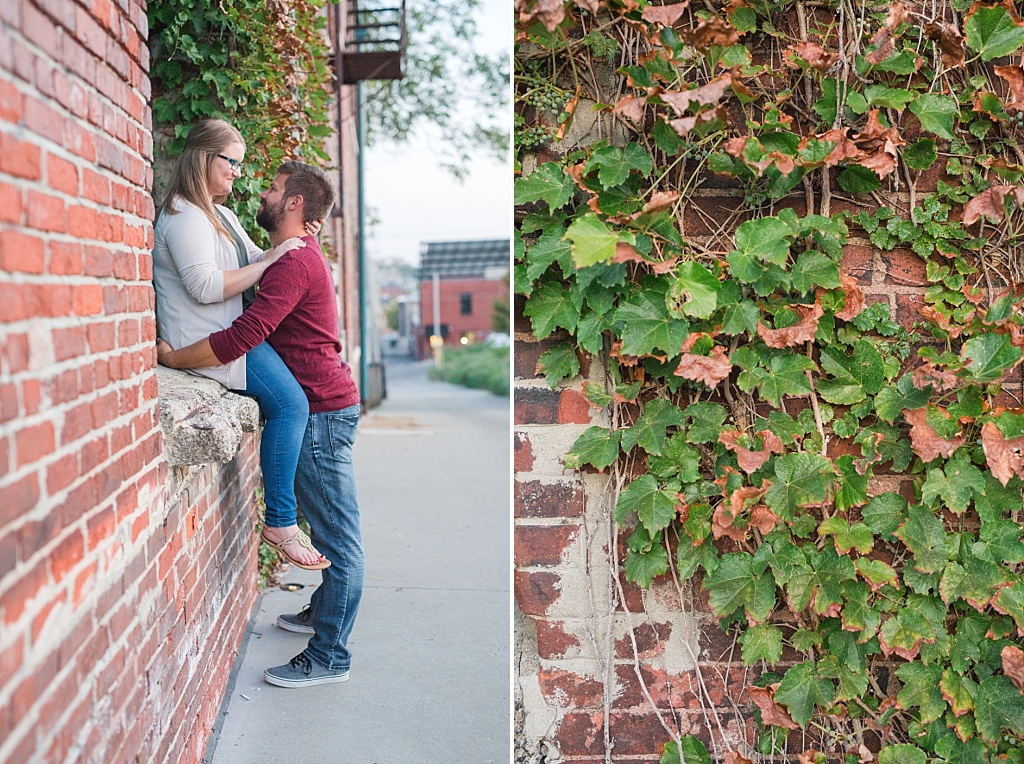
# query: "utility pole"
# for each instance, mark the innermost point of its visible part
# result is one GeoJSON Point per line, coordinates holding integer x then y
{"type": "Point", "coordinates": [436, 339]}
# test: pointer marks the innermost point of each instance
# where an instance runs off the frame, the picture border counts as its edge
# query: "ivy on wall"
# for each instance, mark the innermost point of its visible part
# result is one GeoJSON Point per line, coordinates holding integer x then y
{"type": "Point", "coordinates": [752, 391]}
{"type": "Point", "coordinates": [262, 65]}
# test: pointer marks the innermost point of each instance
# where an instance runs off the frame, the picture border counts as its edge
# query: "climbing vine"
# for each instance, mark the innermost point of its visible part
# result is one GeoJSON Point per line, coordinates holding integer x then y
{"type": "Point", "coordinates": [265, 67]}
{"type": "Point", "coordinates": [756, 399]}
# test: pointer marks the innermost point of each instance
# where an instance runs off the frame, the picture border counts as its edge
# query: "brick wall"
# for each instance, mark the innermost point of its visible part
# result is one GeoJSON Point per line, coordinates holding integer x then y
{"type": "Point", "coordinates": [124, 586]}
{"type": "Point", "coordinates": [574, 652]}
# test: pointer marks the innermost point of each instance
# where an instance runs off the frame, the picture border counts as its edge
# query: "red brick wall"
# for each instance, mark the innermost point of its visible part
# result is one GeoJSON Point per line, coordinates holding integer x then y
{"type": "Point", "coordinates": [563, 573]}
{"type": "Point", "coordinates": [484, 292]}
{"type": "Point", "coordinates": [124, 590]}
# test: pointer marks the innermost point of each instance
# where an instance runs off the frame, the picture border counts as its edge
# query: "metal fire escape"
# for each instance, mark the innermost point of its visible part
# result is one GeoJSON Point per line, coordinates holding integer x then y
{"type": "Point", "coordinates": [374, 43]}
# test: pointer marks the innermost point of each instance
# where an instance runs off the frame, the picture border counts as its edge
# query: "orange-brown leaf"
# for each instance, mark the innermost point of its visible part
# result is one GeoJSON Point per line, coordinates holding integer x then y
{"type": "Point", "coordinates": [1013, 664]}
{"type": "Point", "coordinates": [631, 107]}
{"type": "Point", "coordinates": [714, 31]}
{"type": "Point", "coordinates": [707, 369]}
{"type": "Point", "coordinates": [751, 461]}
{"type": "Point", "coordinates": [570, 109]}
{"type": "Point", "coordinates": [950, 41]}
{"type": "Point", "coordinates": [763, 519]}
{"type": "Point", "coordinates": [929, 312]}
{"type": "Point", "coordinates": [666, 15]}
{"type": "Point", "coordinates": [885, 38]}
{"type": "Point", "coordinates": [926, 442]}
{"type": "Point", "coordinates": [879, 144]}
{"type": "Point", "coordinates": [988, 203]}
{"type": "Point", "coordinates": [661, 200]}
{"type": "Point", "coordinates": [801, 332]}
{"type": "Point", "coordinates": [550, 13]}
{"type": "Point", "coordinates": [685, 125]}
{"type": "Point", "coordinates": [1013, 76]}
{"type": "Point", "coordinates": [1005, 457]}
{"type": "Point", "coordinates": [854, 298]}
{"type": "Point", "coordinates": [704, 95]}
{"type": "Point", "coordinates": [928, 374]}
{"type": "Point", "coordinates": [814, 55]}
{"type": "Point", "coordinates": [733, 757]}
{"type": "Point", "coordinates": [771, 712]}
{"type": "Point", "coordinates": [727, 512]}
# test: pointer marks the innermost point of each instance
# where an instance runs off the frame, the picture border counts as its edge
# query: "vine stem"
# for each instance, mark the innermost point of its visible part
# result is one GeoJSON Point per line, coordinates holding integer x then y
{"type": "Point", "coordinates": [814, 402]}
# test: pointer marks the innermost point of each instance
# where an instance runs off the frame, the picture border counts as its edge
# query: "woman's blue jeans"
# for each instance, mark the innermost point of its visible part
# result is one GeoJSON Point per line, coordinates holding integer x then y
{"type": "Point", "coordinates": [285, 408]}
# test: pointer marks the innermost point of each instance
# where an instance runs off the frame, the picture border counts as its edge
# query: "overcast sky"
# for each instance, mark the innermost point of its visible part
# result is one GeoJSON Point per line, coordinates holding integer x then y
{"type": "Point", "coordinates": [417, 201]}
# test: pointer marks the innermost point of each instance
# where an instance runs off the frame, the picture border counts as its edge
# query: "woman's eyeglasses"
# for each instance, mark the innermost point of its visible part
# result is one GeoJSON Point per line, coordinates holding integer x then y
{"type": "Point", "coordinates": [236, 164]}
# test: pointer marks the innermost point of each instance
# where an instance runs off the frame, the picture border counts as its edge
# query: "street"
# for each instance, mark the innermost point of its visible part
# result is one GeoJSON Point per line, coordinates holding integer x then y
{"type": "Point", "coordinates": [430, 672]}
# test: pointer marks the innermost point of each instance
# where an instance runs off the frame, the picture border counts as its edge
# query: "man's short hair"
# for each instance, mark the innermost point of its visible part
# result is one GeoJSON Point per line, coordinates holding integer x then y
{"type": "Point", "coordinates": [312, 184]}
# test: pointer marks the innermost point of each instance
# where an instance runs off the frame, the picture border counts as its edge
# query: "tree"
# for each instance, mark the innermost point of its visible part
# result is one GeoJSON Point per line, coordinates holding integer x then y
{"type": "Point", "coordinates": [448, 86]}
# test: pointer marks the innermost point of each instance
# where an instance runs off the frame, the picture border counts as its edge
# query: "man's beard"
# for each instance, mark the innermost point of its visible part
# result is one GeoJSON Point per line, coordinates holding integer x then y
{"type": "Point", "coordinates": [269, 218]}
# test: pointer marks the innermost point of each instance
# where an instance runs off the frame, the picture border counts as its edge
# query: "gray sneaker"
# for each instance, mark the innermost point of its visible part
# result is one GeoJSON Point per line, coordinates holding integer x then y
{"type": "Point", "coordinates": [297, 622]}
{"type": "Point", "coordinates": [300, 671]}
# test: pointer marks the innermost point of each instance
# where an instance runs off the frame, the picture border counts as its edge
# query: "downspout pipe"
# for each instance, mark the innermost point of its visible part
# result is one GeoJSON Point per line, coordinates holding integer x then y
{"type": "Point", "coordinates": [364, 366]}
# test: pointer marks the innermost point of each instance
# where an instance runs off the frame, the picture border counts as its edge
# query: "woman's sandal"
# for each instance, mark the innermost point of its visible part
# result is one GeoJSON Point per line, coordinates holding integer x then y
{"type": "Point", "coordinates": [299, 537]}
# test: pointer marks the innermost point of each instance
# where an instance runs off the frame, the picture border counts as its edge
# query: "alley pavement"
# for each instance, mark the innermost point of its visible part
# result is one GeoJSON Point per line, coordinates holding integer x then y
{"type": "Point", "coordinates": [430, 669]}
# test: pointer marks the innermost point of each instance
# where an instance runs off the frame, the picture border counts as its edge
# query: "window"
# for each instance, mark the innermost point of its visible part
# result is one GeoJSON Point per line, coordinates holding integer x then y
{"type": "Point", "coordinates": [466, 304]}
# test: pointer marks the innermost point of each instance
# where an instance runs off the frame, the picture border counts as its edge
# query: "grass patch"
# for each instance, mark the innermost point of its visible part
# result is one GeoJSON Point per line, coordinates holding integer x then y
{"type": "Point", "coordinates": [477, 366]}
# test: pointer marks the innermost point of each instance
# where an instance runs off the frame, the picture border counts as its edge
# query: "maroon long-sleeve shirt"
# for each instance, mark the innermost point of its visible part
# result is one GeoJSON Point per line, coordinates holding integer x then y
{"type": "Point", "coordinates": [296, 313]}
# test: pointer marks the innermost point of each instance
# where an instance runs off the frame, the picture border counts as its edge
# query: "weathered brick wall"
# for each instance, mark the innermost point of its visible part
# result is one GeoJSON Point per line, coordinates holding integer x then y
{"type": "Point", "coordinates": [571, 648]}
{"type": "Point", "coordinates": [124, 586]}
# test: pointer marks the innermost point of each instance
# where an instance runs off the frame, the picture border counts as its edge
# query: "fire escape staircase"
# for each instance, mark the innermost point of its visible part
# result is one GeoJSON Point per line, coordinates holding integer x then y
{"type": "Point", "coordinates": [374, 43]}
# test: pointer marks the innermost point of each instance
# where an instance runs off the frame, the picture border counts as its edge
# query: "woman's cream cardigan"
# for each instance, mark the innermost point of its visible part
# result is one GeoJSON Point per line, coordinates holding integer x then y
{"type": "Point", "coordinates": [189, 257]}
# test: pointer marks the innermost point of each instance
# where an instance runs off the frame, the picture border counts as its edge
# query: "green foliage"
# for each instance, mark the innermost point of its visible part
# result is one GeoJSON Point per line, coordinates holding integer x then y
{"type": "Point", "coordinates": [238, 62]}
{"type": "Point", "coordinates": [478, 366]}
{"type": "Point", "coordinates": [723, 344]}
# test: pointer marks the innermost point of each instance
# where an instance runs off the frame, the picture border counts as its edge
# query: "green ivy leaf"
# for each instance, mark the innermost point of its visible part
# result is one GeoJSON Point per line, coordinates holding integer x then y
{"type": "Point", "coordinates": [859, 615]}
{"type": "Point", "coordinates": [550, 247]}
{"type": "Point", "coordinates": [547, 183]}
{"type": "Point", "coordinates": [549, 307]}
{"type": "Point", "coordinates": [614, 165]}
{"type": "Point", "coordinates": [959, 691]}
{"type": "Point", "coordinates": [887, 97]}
{"type": "Point", "coordinates": [925, 536]}
{"type": "Point", "coordinates": [992, 32]}
{"type": "Point", "coordinates": [884, 513]}
{"type": "Point", "coordinates": [975, 582]}
{"type": "Point", "coordinates": [853, 377]}
{"type": "Point", "coordinates": [936, 113]}
{"type": "Point", "coordinates": [997, 706]}
{"type": "Point", "coordinates": [734, 585]}
{"type": "Point", "coordinates": [920, 155]}
{"type": "Point", "coordinates": [801, 481]}
{"type": "Point", "coordinates": [1010, 600]}
{"type": "Point", "coordinates": [858, 180]}
{"type": "Point", "coordinates": [801, 690]}
{"type": "Point", "coordinates": [649, 327]}
{"type": "Point", "coordinates": [814, 269]}
{"type": "Point", "coordinates": [761, 642]}
{"type": "Point", "coordinates": [820, 584]}
{"type": "Point", "coordinates": [876, 572]}
{"type": "Point", "coordinates": [785, 376]}
{"type": "Point", "coordinates": [692, 752]}
{"type": "Point", "coordinates": [847, 537]}
{"type": "Point", "coordinates": [655, 506]}
{"type": "Point", "coordinates": [646, 557]}
{"type": "Point", "coordinates": [890, 400]}
{"type": "Point", "coordinates": [903, 753]}
{"type": "Point", "coordinates": [904, 634]}
{"type": "Point", "coordinates": [649, 430]}
{"type": "Point", "coordinates": [952, 750]}
{"type": "Point", "coordinates": [990, 355]}
{"type": "Point", "coordinates": [955, 485]}
{"type": "Point", "coordinates": [592, 241]}
{"type": "Point", "coordinates": [707, 421]}
{"type": "Point", "coordinates": [595, 446]}
{"type": "Point", "coordinates": [559, 362]}
{"type": "Point", "coordinates": [1000, 542]}
{"type": "Point", "coordinates": [765, 239]}
{"type": "Point", "coordinates": [741, 317]}
{"type": "Point", "coordinates": [694, 280]}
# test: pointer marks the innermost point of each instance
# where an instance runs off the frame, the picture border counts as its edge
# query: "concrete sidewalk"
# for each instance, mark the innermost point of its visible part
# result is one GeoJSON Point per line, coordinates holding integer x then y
{"type": "Point", "coordinates": [430, 669]}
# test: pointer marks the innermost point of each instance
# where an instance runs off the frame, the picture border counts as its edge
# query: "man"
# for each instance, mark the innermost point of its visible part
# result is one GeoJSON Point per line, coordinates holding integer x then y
{"type": "Point", "coordinates": [295, 311]}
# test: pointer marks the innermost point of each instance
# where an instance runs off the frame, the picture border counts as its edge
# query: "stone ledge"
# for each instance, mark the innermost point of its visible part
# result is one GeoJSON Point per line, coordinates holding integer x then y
{"type": "Point", "coordinates": [202, 421]}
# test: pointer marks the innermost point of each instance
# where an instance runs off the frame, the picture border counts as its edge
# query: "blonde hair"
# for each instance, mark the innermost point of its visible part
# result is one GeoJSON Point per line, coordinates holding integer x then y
{"type": "Point", "coordinates": [190, 178]}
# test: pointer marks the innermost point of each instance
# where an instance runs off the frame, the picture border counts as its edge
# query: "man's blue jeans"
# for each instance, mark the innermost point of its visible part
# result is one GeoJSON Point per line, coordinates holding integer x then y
{"type": "Point", "coordinates": [285, 408]}
{"type": "Point", "coordinates": [326, 487]}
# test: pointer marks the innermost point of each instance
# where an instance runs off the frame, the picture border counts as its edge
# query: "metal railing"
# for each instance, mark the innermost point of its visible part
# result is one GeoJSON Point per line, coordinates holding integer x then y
{"type": "Point", "coordinates": [374, 43]}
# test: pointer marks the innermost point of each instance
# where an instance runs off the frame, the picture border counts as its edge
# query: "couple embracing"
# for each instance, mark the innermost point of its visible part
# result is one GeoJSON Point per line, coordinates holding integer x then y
{"type": "Point", "coordinates": [278, 344]}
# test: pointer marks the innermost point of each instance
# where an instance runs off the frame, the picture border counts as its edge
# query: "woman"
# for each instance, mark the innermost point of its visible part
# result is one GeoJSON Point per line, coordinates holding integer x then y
{"type": "Point", "coordinates": [203, 264]}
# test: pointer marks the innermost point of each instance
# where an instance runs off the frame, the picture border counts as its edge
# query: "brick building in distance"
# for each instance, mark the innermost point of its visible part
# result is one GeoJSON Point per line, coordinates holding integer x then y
{"type": "Point", "coordinates": [471, 276]}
